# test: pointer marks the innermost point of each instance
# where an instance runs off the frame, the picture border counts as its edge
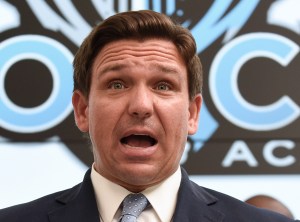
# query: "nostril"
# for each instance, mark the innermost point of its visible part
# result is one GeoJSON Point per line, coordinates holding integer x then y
{"type": "Point", "coordinates": [141, 114]}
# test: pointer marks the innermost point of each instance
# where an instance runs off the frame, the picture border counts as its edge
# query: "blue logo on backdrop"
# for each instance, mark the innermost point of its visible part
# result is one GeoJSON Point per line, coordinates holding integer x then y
{"type": "Point", "coordinates": [222, 22]}
{"type": "Point", "coordinates": [58, 106]}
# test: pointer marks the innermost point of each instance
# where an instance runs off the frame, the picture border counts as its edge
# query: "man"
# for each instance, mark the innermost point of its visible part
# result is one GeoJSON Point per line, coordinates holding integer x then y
{"type": "Point", "coordinates": [137, 96]}
{"type": "Point", "coordinates": [270, 203]}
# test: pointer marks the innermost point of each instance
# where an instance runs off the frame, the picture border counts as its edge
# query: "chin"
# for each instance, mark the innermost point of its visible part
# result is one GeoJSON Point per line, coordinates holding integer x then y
{"type": "Point", "coordinates": [141, 174]}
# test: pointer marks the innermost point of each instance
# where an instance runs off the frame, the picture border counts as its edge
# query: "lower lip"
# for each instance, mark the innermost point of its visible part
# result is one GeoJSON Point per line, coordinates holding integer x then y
{"type": "Point", "coordinates": [138, 152]}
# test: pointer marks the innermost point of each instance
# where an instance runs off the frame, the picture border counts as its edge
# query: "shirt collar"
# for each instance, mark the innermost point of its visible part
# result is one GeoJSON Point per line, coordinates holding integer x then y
{"type": "Point", "coordinates": [109, 195]}
{"type": "Point", "coordinates": [163, 196]}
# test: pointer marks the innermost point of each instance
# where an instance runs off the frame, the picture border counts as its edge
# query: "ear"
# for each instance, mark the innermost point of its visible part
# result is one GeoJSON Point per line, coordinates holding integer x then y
{"type": "Point", "coordinates": [80, 105]}
{"type": "Point", "coordinates": [194, 110]}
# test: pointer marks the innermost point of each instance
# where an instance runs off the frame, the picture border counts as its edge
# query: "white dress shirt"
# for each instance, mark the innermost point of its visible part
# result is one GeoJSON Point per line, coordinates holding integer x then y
{"type": "Point", "coordinates": [162, 197]}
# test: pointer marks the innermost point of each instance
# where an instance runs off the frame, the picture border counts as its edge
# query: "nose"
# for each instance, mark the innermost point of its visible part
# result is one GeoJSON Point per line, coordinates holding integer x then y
{"type": "Point", "coordinates": [141, 103]}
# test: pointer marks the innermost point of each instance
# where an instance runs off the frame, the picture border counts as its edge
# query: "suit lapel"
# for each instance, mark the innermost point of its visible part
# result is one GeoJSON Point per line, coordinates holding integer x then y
{"type": "Point", "coordinates": [77, 204]}
{"type": "Point", "coordinates": [195, 204]}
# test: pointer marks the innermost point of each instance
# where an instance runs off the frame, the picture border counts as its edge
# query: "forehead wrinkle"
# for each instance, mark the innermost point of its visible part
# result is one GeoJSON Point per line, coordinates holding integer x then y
{"type": "Point", "coordinates": [128, 53]}
{"type": "Point", "coordinates": [139, 48]}
{"type": "Point", "coordinates": [161, 68]}
{"type": "Point", "coordinates": [99, 61]}
{"type": "Point", "coordinates": [152, 65]}
{"type": "Point", "coordinates": [117, 55]}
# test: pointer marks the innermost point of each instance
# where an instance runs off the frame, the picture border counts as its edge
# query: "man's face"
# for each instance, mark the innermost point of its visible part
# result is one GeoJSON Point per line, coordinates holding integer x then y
{"type": "Point", "coordinates": [138, 113]}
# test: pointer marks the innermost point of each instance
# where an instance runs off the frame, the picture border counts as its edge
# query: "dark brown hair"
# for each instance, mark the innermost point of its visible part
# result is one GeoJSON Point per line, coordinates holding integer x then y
{"type": "Point", "coordinates": [139, 25]}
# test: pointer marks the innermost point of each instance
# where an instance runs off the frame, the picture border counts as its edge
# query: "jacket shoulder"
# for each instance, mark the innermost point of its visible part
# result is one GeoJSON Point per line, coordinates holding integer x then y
{"type": "Point", "coordinates": [36, 210]}
{"type": "Point", "coordinates": [196, 202]}
{"type": "Point", "coordinates": [237, 210]}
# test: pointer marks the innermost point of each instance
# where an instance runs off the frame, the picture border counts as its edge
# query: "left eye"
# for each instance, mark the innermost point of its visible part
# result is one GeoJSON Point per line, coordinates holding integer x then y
{"type": "Point", "coordinates": [163, 86]}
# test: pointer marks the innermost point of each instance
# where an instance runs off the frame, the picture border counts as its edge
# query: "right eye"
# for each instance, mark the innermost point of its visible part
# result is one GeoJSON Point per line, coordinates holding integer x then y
{"type": "Point", "coordinates": [116, 85]}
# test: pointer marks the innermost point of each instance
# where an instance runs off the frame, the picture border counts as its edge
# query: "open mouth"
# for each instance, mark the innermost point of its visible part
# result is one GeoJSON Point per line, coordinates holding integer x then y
{"type": "Point", "coordinates": [139, 141]}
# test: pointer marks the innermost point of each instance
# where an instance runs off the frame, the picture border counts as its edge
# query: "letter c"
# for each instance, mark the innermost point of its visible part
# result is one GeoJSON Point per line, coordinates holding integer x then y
{"type": "Point", "coordinates": [275, 161]}
{"type": "Point", "coordinates": [224, 89]}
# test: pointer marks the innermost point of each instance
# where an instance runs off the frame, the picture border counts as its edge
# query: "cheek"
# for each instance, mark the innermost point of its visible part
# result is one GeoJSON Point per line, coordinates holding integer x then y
{"type": "Point", "coordinates": [177, 119]}
{"type": "Point", "coordinates": [181, 113]}
{"type": "Point", "coordinates": [97, 122]}
{"type": "Point", "coordinates": [104, 116]}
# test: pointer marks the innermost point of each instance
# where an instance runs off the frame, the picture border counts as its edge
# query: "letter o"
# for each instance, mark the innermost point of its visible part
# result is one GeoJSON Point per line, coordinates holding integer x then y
{"type": "Point", "coordinates": [57, 107]}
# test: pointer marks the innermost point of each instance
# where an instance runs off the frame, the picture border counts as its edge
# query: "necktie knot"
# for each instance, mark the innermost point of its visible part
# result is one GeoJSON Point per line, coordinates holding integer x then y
{"type": "Point", "coordinates": [133, 205]}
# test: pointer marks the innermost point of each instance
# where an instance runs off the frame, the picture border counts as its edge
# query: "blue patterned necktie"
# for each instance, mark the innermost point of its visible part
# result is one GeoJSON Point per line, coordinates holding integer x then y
{"type": "Point", "coordinates": [133, 205]}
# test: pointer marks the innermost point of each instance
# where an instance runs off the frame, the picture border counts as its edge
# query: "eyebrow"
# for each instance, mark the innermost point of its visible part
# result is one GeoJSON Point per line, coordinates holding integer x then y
{"type": "Point", "coordinates": [165, 69]}
{"type": "Point", "coordinates": [115, 67]}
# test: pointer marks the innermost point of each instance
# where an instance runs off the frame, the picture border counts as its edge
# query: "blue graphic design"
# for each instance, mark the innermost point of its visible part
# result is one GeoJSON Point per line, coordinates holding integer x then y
{"type": "Point", "coordinates": [223, 81]}
{"type": "Point", "coordinates": [224, 17]}
{"type": "Point", "coordinates": [214, 24]}
{"type": "Point", "coordinates": [58, 106]}
{"type": "Point", "coordinates": [9, 16]}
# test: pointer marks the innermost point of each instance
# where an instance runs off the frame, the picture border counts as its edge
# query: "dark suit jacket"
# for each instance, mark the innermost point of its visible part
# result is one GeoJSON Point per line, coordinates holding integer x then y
{"type": "Point", "coordinates": [195, 203]}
